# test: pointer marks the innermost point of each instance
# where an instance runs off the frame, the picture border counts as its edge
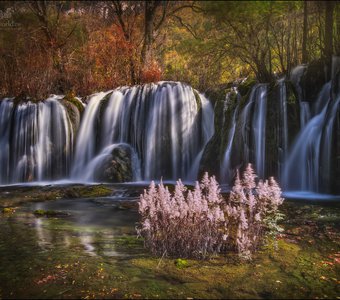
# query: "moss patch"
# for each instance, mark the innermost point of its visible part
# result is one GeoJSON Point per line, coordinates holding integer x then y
{"type": "Point", "coordinates": [11, 196]}
{"type": "Point", "coordinates": [71, 98]}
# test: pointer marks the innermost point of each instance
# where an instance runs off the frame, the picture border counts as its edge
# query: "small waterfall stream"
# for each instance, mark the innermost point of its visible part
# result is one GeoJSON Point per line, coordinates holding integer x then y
{"type": "Point", "coordinates": [283, 128]}
{"type": "Point", "coordinates": [227, 173]}
{"type": "Point", "coordinates": [259, 129]}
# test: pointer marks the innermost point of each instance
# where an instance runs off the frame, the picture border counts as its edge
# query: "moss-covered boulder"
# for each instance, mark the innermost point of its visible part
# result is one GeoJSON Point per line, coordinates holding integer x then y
{"type": "Point", "coordinates": [117, 167]}
{"type": "Point", "coordinates": [74, 108]}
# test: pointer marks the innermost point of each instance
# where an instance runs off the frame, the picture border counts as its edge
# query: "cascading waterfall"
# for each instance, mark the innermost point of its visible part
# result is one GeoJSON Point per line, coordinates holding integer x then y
{"type": "Point", "coordinates": [226, 169]}
{"type": "Point", "coordinates": [252, 134]}
{"type": "Point", "coordinates": [311, 153]}
{"type": "Point", "coordinates": [259, 129]}
{"type": "Point", "coordinates": [283, 128]}
{"type": "Point", "coordinates": [86, 138]}
{"type": "Point", "coordinates": [160, 130]}
{"type": "Point", "coordinates": [6, 109]}
{"type": "Point", "coordinates": [162, 122]}
{"type": "Point", "coordinates": [246, 118]}
{"type": "Point", "coordinates": [295, 77]}
{"type": "Point", "coordinates": [163, 127]}
{"type": "Point", "coordinates": [36, 141]}
{"type": "Point", "coordinates": [207, 132]}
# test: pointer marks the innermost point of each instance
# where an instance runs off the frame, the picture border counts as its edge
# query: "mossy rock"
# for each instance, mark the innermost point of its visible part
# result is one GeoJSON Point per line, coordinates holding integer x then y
{"type": "Point", "coordinates": [71, 98]}
{"type": "Point", "coordinates": [245, 87]}
{"type": "Point", "coordinates": [45, 213]}
{"type": "Point", "coordinates": [102, 108]}
{"type": "Point", "coordinates": [198, 99]}
{"type": "Point", "coordinates": [117, 167]}
{"type": "Point", "coordinates": [218, 93]}
{"type": "Point", "coordinates": [85, 191]}
{"type": "Point", "coordinates": [73, 114]}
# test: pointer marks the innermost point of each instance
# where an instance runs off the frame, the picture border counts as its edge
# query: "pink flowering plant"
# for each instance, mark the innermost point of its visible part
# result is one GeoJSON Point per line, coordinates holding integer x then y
{"type": "Point", "coordinates": [199, 222]}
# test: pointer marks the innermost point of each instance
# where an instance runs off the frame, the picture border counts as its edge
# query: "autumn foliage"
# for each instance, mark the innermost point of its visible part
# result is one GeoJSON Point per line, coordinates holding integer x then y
{"type": "Point", "coordinates": [151, 73]}
{"type": "Point", "coordinates": [199, 222]}
{"type": "Point", "coordinates": [104, 62]}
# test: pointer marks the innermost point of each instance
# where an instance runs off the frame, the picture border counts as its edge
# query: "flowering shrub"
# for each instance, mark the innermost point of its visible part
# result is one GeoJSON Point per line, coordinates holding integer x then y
{"type": "Point", "coordinates": [252, 212]}
{"type": "Point", "coordinates": [201, 222]}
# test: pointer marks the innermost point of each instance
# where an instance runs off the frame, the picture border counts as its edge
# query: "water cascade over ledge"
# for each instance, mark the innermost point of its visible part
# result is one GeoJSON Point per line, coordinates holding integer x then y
{"type": "Point", "coordinates": [283, 135]}
{"type": "Point", "coordinates": [164, 131]}
{"type": "Point", "coordinates": [36, 141]}
{"type": "Point", "coordinates": [144, 132]}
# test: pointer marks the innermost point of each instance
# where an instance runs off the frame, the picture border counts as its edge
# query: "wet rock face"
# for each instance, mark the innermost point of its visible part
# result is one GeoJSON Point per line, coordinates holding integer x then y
{"type": "Point", "coordinates": [335, 177]}
{"type": "Point", "coordinates": [117, 167]}
{"type": "Point", "coordinates": [210, 161]}
{"type": "Point", "coordinates": [313, 80]}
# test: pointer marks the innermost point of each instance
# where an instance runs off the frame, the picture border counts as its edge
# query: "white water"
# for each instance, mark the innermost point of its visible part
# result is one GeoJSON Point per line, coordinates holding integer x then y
{"type": "Point", "coordinates": [161, 122]}
{"type": "Point", "coordinates": [36, 141]}
{"type": "Point", "coordinates": [295, 77]}
{"type": "Point", "coordinates": [283, 138]}
{"type": "Point", "coordinates": [259, 130]}
{"type": "Point", "coordinates": [227, 173]}
{"type": "Point", "coordinates": [311, 152]}
{"type": "Point", "coordinates": [86, 137]}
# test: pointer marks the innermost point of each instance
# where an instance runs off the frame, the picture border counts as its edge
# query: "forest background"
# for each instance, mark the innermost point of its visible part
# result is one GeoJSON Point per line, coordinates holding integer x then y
{"type": "Point", "coordinates": [89, 46]}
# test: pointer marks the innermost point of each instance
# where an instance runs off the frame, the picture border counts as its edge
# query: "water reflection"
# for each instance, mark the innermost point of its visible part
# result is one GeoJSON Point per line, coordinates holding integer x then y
{"type": "Point", "coordinates": [92, 226]}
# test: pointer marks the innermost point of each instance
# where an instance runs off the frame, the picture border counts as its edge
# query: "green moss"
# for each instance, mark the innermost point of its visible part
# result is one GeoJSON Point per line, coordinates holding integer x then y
{"type": "Point", "coordinates": [8, 210]}
{"type": "Point", "coordinates": [93, 191]}
{"type": "Point", "coordinates": [20, 195]}
{"type": "Point", "coordinates": [245, 87]}
{"type": "Point", "coordinates": [198, 99]}
{"type": "Point", "coordinates": [44, 213]}
{"type": "Point", "coordinates": [181, 263]}
{"type": "Point", "coordinates": [129, 241]}
{"type": "Point", "coordinates": [71, 98]}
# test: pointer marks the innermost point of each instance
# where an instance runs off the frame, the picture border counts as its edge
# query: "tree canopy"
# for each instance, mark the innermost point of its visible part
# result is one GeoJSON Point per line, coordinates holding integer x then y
{"type": "Point", "coordinates": [87, 46]}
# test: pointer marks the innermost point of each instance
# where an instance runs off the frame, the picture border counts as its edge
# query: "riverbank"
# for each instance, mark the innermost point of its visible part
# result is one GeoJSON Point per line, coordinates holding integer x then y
{"type": "Point", "coordinates": [89, 249]}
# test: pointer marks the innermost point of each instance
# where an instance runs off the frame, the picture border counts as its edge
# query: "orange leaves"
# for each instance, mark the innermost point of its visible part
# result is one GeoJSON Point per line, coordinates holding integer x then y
{"type": "Point", "coordinates": [105, 61]}
{"type": "Point", "coordinates": [151, 73]}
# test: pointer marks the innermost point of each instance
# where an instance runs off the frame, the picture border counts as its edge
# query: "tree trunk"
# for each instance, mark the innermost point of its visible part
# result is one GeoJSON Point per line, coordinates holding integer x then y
{"type": "Point", "coordinates": [288, 48]}
{"type": "Point", "coordinates": [328, 47]}
{"type": "Point", "coordinates": [337, 21]}
{"type": "Point", "coordinates": [305, 33]}
{"type": "Point", "coordinates": [149, 16]}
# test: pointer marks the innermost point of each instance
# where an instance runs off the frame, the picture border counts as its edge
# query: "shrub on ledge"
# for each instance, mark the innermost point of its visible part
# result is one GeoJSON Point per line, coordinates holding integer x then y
{"type": "Point", "coordinates": [201, 222]}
